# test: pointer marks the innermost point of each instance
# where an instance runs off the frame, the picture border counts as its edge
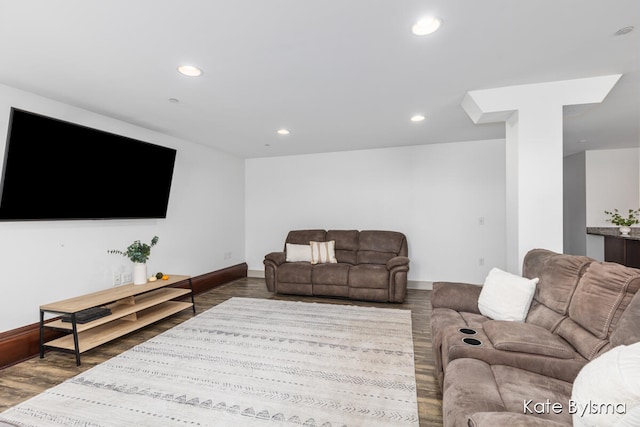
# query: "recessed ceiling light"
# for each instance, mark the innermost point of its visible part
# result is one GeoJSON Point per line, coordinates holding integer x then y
{"type": "Point", "coordinates": [624, 30]}
{"type": "Point", "coordinates": [284, 131]}
{"type": "Point", "coordinates": [190, 70]}
{"type": "Point", "coordinates": [426, 26]}
{"type": "Point", "coordinates": [174, 100]}
{"type": "Point", "coordinates": [417, 118]}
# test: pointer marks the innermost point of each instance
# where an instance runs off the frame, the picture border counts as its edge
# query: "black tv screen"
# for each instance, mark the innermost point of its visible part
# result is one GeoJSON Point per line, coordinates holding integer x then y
{"type": "Point", "coordinates": [56, 170]}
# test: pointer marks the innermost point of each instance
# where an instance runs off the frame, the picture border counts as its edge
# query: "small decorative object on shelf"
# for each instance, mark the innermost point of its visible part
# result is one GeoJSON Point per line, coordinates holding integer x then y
{"type": "Point", "coordinates": [624, 223]}
{"type": "Point", "coordinates": [138, 253]}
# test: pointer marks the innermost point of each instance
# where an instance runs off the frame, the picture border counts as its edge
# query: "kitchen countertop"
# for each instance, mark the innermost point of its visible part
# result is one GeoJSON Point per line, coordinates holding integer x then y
{"type": "Point", "coordinates": [614, 232]}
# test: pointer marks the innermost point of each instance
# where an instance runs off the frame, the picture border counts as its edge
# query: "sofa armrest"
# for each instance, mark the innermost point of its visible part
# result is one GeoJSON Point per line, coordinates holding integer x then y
{"type": "Point", "coordinates": [271, 263]}
{"type": "Point", "coordinates": [398, 261]}
{"type": "Point", "coordinates": [492, 419]}
{"type": "Point", "coordinates": [278, 258]}
{"type": "Point", "coordinates": [456, 296]}
{"type": "Point", "coordinates": [526, 338]}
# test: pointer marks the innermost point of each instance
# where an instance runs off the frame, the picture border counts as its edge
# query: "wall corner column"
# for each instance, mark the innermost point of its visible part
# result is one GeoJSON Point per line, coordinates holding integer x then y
{"type": "Point", "coordinates": [534, 155]}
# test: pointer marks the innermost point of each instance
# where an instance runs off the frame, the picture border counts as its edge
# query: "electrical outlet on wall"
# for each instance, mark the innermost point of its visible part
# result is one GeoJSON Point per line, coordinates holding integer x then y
{"type": "Point", "coordinates": [116, 279]}
{"type": "Point", "coordinates": [126, 278]}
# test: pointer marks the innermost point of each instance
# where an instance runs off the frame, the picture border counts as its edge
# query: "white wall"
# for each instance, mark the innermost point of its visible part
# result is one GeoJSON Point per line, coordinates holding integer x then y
{"type": "Point", "coordinates": [46, 261]}
{"type": "Point", "coordinates": [574, 208]}
{"type": "Point", "coordinates": [435, 194]}
{"type": "Point", "coordinates": [612, 181]}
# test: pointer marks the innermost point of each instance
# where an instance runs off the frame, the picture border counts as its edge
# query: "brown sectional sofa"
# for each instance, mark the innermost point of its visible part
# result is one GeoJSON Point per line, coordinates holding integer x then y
{"type": "Point", "coordinates": [372, 265]}
{"type": "Point", "coordinates": [581, 309]}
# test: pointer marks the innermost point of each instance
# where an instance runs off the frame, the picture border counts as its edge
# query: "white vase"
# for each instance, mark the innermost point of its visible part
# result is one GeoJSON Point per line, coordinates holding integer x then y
{"type": "Point", "coordinates": [139, 273]}
{"type": "Point", "coordinates": [625, 230]}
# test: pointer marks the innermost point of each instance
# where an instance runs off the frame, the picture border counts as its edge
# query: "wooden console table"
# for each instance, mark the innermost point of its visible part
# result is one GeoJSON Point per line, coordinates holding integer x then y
{"type": "Point", "coordinates": [132, 307]}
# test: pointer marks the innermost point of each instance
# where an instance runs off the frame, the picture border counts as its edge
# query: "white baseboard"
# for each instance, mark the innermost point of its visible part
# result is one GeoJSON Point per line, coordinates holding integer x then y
{"type": "Point", "coordinates": [411, 284]}
{"type": "Point", "coordinates": [419, 284]}
{"type": "Point", "coordinates": [255, 273]}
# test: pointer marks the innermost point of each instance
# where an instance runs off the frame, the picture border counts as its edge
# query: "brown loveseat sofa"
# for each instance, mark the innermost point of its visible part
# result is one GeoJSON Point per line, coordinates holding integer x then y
{"type": "Point", "coordinates": [581, 309]}
{"type": "Point", "coordinates": [371, 265]}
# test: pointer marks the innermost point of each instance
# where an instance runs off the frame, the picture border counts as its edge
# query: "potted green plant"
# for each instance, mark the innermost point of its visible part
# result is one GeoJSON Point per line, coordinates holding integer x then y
{"type": "Point", "coordinates": [624, 223]}
{"type": "Point", "coordinates": [138, 253]}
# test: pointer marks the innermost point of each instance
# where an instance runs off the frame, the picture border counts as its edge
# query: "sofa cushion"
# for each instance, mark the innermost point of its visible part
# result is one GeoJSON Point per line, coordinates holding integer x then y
{"type": "Point", "coordinates": [469, 387]}
{"type": "Point", "coordinates": [373, 257]}
{"type": "Point", "coordinates": [506, 296]}
{"type": "Point", "coordinates": [382, 241]}
{"type": "Point", "coordinates": [330, 290]}
{"type": "Point", "coordinates": [558, 276]}
{"type": "Point", "coordinates": [627, 330]}
{"type": "Point", "coordinates": [330, 274]}
{"type": "Point", "coordinates": [518, 387]}
{"type": "Point", "coordinates": [369, 294]}
{"type": "Point", "coordinates": [541, 315]}
{"type": "Point", "coordinates": [582, 340]}
{"type": "Point", "coordinates": [303, 237]}
{"type": "Point", "coordinates": [295, 272]}
{"type": "Point", "coordinates": [472, 386]}
{"type": "Point", "coordinates": [298, 253]}
{"type": "Point", "coordinates": [369, 276]}
{"type": "Point", "coordinates": [526, 338]}
{"type": "Point", "coordinates": [611, 378]}
{"type": "Point", "coordinates": [295, 288]}
{"type": "Point", "coordinates": [602, 295]}
{"type": "Point", "coordinates": [346, 244]}
{"type": "Point", "coordinates": [378, 247]}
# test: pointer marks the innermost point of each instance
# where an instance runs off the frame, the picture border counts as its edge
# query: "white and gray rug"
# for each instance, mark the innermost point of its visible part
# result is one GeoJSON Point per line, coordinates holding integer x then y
{"type": "Point", "coordinates": [249, 362]}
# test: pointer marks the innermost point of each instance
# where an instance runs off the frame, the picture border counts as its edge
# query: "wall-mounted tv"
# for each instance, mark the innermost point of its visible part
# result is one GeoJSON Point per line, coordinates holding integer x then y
{"type": "Point", "coordinates": [56, 170]}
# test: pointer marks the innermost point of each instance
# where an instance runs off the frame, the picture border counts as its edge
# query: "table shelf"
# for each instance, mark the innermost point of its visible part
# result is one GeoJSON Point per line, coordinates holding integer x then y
{"type": "Point", "coordinates": [98, 335]}
{"type": "Point", "coordinates": [132, 307]}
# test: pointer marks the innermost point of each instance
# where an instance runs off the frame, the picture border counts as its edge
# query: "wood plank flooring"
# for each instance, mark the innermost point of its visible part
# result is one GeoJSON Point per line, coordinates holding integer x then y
{"type": "Point", "coordinates": [29, 378]}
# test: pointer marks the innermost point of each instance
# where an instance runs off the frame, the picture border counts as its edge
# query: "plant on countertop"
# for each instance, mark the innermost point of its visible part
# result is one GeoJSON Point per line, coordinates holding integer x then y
{"type": "Point", "coordinates": [137, 252]}
{"type": "Point", "coordinates": [621, 221]}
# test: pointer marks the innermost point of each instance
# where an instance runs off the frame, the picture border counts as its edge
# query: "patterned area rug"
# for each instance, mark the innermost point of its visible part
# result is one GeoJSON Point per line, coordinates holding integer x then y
{"type": "Point", "coordinates": [249, 362]}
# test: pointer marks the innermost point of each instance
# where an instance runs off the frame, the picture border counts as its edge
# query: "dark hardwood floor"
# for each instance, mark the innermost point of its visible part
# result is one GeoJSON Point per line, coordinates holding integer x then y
{"type": "Point", "coordinates": [26, 379]}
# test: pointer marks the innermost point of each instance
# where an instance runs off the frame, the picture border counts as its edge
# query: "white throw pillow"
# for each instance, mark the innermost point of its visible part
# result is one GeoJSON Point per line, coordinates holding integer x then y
{"type": "Point", "coordinates": [297, 253]}
{"type": "Point", "coordinates": [606, 391]}
{"type": "Point", "coordinates": [506, 296]}
{"type": "Point", "coordinates": [323, 252]}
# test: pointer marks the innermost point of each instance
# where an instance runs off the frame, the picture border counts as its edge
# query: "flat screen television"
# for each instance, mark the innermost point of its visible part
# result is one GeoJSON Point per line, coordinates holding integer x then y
{"type": "Point", "coordinates": [56, 170]}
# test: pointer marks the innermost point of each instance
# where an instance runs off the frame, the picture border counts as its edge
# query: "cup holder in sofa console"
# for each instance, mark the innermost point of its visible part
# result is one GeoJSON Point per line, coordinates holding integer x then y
{"type": "Point", "coordinates": [471, 341]}
{"type": "Point", "coordinates": [467, 331]}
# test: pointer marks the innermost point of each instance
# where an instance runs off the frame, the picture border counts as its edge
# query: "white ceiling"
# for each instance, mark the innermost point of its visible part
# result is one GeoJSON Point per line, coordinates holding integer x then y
{"type": "Point", "coordinates": [340, 74]}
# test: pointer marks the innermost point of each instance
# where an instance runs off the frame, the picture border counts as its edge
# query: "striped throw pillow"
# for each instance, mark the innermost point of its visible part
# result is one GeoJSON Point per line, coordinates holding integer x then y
{"type": "Point", "coordinates": [323, 252]}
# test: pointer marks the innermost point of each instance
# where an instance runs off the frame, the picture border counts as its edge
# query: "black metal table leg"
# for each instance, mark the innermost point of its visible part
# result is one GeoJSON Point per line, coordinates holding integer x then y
{"type": "Point", "coordinates": [41, 334]}
{"type": "Point", "coordinates": [193, 302]}
{"type": "Point", "coordinates": [74, 327]}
